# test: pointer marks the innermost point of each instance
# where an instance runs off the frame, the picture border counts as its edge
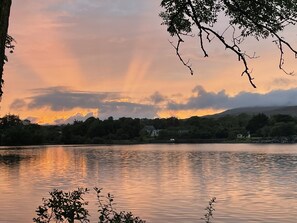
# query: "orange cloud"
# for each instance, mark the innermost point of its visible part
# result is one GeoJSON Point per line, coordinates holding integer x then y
{"type": "Point", "coordinates": [182, 114]}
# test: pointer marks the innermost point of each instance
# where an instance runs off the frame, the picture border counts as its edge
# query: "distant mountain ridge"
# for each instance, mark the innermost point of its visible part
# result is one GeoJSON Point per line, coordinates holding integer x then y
{"type": "Point", "coordinates": [272, 110]}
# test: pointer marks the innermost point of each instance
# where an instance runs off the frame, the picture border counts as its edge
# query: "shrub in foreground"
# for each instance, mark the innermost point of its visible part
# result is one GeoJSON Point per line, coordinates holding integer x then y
{"type": "Point", "coordinates": [70, 207]}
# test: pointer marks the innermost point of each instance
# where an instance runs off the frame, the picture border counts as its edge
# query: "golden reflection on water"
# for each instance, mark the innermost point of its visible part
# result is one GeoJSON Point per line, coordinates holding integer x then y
{"type": "Point", "coordinates": [160, 183]}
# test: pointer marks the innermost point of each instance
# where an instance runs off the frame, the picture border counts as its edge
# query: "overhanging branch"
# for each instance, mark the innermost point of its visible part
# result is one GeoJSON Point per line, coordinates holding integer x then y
{"type": "Point", "coordinates": [235, 48]}
{"type": "Point", "coordinates": [186, 64]}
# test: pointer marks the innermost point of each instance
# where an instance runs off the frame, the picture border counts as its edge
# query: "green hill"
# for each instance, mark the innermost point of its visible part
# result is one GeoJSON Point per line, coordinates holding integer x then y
{"type": "Point", "coordinates": [273, 110]}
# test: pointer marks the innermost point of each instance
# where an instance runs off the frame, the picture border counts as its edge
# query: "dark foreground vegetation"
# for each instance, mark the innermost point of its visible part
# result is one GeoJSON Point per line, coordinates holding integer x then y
{"type": "Point", "coordinates": [72, 207]}
{"type": "Point", "coordinates": [238, 128]}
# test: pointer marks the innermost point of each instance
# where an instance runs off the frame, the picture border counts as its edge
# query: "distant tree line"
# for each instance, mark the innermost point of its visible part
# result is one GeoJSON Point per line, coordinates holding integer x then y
{"type": "Point", "coordinates": [243, 127]}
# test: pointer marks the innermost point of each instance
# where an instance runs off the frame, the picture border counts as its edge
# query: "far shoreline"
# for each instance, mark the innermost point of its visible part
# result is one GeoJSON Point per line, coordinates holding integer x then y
{"type": "Point", "coordinates": [283, 140]}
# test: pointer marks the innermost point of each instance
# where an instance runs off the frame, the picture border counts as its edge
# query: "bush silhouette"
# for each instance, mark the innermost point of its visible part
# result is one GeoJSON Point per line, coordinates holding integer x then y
{"type": "Point", "coordinates": [68, 207]}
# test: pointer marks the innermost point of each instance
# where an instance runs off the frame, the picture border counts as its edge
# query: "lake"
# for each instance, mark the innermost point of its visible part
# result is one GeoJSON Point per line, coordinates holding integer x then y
{"type": "Point", "coordinates": [158, 182]}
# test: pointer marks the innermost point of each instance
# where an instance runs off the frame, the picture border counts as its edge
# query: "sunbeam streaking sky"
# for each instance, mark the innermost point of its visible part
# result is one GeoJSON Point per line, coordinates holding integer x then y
{"type": "Point", "coordinates": [80, 58]}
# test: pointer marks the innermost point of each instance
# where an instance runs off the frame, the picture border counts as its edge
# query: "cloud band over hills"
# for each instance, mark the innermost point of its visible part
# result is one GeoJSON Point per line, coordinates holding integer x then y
{"type": "Point", "coordinates": [221, 100]}
{"type": "Point", "coordinates": [117, 105]}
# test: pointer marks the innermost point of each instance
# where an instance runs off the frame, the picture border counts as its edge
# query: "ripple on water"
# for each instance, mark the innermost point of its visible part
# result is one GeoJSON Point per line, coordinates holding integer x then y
{"type": "Point", "coordinates": [160, 183]}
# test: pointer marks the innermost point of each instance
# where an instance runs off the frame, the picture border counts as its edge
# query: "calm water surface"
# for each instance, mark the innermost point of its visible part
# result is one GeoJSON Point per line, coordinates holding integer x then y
{"type": "Point", "coordinates": [159, 183]}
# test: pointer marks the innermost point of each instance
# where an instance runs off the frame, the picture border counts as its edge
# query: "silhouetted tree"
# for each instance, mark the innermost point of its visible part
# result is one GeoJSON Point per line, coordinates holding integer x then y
{"type": "Point", "coordinates": [259, 19]}
{"type": "Point", "coordinates": [5, 39]}
{"type": "Point", "coordinates": [257, 122]}
{"type": "Point", "coordinates": [9, 121]}
{"type": "Point", "coordinates": [283, 129]}
{"type": "Point", "coordinates": [283, 118]}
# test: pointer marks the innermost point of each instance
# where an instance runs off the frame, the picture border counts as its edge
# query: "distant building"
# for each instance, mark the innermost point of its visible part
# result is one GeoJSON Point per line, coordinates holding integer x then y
{"type": "Point", "coordinates": [151, 130]}
{"type": "Point", "coordinates": [155, 133]}
{"type": "Point", "coordinates": [242, 136]}
{"type": "Point", "coordinates": [239, 136]}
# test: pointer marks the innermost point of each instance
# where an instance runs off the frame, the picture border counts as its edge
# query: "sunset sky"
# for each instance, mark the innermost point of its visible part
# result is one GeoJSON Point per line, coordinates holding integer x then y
{"type": "Point", "coordinates": [80, 58]}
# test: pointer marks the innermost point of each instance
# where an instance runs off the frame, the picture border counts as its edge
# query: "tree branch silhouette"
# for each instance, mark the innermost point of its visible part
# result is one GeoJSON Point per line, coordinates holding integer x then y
{"type": "Point", "coordinates": [6, 41]}
{"type": "Point", "coordinates": [258, 19]}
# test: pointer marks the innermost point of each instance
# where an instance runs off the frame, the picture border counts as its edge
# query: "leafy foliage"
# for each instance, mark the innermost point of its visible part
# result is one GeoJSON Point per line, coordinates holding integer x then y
{"type": "Point", "coordinates": [209, 210]}
{"type": "Point", "coordinates": [6, 41]}
{"type": "Point", "coordinates": [108, 214]}
{"type": "Point", "coordinates": [257, 122]}
{"type": "Point", "coordinates": [259, 19]}
{"type": "Point", "coordinates": [69, 207]}
{"type": "Point", "coordinates": [14, 131]}
{"type": "Point", "coordinates": [63, 207]}
{"type": "Point", "coordinates": [10, 44]}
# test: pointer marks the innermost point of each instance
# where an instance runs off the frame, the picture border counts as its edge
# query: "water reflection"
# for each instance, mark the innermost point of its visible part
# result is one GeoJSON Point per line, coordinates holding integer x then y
{"type": "Point", "coordinates": [161, 183]}
{"type": "Point", "coordinates": [11, 159]}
